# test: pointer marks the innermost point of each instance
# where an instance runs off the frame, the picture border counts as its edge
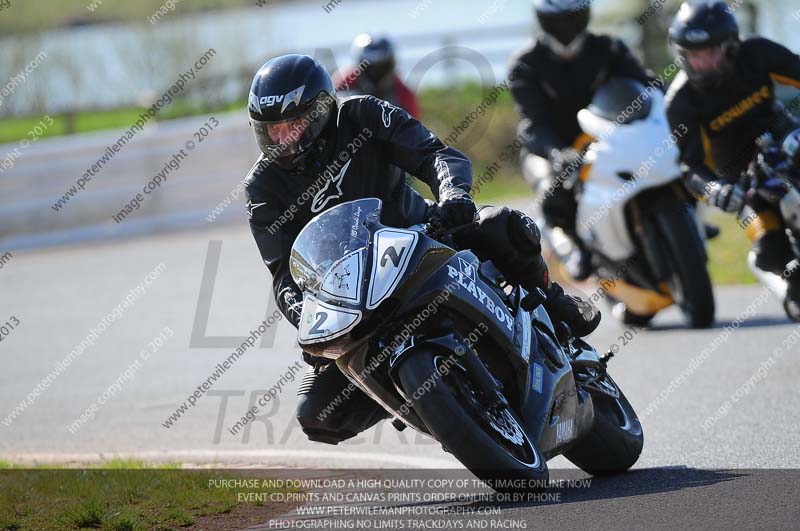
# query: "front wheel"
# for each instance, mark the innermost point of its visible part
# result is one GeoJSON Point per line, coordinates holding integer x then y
{"type": "Point", "coordinates": [690, 283]}
{"type": "Point", "coordinates": [616, 439]}
{"type": "Point", "coordinates": [490, 441]}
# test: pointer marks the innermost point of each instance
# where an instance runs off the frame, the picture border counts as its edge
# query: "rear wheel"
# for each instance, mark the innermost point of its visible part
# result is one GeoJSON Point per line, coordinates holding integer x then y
{"type": "Point", "coordinates": [690, 283]}
{"type": "Point", "coordinates": [616, 439]}
{"type": "Point", "coordinates": [490, 441]}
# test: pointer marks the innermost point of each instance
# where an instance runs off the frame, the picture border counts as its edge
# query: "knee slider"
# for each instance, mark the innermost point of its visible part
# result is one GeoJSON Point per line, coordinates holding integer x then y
{"type": "Point", "coordinates": [317, 426]}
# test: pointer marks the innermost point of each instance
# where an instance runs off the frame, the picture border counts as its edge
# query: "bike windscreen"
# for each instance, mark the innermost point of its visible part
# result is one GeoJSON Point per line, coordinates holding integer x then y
{"type": "Point", "coordinates": [329, 237]}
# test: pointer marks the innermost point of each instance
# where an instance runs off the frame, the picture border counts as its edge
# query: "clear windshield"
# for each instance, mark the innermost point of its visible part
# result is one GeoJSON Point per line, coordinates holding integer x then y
{"type": "Point", "coordinates": [329, 237]}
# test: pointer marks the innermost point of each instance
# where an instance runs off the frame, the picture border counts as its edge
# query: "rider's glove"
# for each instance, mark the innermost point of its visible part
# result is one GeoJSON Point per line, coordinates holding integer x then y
{"type": "Point", "coordinates": [582, 316]}
{"type": "Point", "coordinates": [727, 197]}
{"type": "Point", "coordinates": [292, 305]}
{"type": "Point", "coordinates": [457, 208]}
{"type": "Point", "coordinates": [565, 161]}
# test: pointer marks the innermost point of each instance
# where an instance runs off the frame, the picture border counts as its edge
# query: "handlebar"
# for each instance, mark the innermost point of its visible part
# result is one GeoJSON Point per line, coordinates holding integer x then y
{"type": "Point", "coordinates": [771, 173]}
{"type": "Point", "coordinates": [435, 228]}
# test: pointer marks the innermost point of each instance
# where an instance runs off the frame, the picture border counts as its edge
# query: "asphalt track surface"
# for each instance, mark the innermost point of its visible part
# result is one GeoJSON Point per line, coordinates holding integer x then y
{"type": "Point", "coordinates": [715, 424]}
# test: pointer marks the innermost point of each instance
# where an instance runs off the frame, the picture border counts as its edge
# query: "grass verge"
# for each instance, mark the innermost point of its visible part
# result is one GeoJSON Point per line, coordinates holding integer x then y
{"type": "Point", "coordinates": [728, 253]}
{"type": "Point", "coordinates": [124, 495]}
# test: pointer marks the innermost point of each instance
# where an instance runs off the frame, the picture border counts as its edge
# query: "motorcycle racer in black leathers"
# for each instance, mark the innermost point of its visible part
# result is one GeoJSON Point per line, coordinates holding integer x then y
{"type": "Point", "coordinates": [725, 99]}
{"type": "Point", "coordinates": [550, 82]}
{"type": "Point", "coordinates": [318, 152]}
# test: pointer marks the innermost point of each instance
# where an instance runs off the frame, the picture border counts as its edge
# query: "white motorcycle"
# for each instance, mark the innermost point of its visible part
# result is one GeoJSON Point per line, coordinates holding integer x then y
{"type": "Point", "coordinates": [634, 214]}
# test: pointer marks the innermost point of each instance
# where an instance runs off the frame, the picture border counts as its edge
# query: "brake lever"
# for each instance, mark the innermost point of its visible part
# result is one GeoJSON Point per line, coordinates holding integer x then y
{"type": "Point", "coordinates": [435, 229]}
{"type": "Point", "coordinates": [455, 230]}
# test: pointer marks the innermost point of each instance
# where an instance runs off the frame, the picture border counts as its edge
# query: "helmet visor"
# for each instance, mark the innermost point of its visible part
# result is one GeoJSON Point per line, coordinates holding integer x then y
{"type": "Point", "coordinates": [706, 60]}
{"type": "Point", "coordinates": [565, 26]}
{"type": "Point", "coordinates": [705, 65]}
{"type": "Point", "coordinates": [294, 135]}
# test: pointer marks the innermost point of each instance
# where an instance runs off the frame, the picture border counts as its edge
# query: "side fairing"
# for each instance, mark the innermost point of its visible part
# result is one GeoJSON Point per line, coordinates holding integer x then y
{"type": "Point", "coordinates": [391, 253]}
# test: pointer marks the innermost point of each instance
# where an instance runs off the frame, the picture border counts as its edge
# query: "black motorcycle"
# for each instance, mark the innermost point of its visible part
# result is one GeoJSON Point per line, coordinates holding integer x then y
{"type": "Point", "coordinates": [772, 182]}
{"type": "Point", "coordinates": [444, 344]}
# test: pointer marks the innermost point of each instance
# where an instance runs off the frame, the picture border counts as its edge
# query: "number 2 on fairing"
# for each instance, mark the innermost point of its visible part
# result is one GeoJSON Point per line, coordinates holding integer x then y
{"type": "Point", "coordinates": [321, 317]}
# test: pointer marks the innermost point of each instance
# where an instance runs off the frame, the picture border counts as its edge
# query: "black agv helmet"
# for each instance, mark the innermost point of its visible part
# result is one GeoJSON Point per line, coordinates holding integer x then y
{"type": "Point", "coordinates": [376, 54]}
{"type": "Point", "coordinates": [705, 25]}
{"type": "Point", "coordinates": [291, 101]}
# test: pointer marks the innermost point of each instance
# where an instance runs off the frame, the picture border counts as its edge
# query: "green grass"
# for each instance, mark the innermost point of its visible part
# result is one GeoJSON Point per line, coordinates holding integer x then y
{"type": "Point", "coordinates": [504, 188]}
{"type": "Point", "coordinates": [26, 16]}
{"type": "Point", "coordinates": [119, 495]}
{"type": "Point", "coordinates": [16, 129]}
{"type": "Point", "coordinates": [728, 253]}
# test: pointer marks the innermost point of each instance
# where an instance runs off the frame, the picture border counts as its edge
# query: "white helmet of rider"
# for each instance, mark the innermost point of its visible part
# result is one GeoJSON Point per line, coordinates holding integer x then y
{"type": "Point", "coordinates": [563, 24]}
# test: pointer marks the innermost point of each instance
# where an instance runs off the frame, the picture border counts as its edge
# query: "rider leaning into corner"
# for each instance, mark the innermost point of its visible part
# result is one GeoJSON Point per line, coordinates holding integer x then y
{"type": "Point", "coordinates": [725, 98]}
{"type": "Point", "coordinates": [375, 74]}
{"type": "Point", "coordinates": [550, 82]}
{"type": "Point", "coordinates": [305, 133]}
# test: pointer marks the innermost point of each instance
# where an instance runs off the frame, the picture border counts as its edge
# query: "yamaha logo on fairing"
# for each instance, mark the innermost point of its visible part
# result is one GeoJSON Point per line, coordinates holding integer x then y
{"type": "Point", "coordinates": [465, 276]}
{"type": "Point", "coordinates": [564, 431]}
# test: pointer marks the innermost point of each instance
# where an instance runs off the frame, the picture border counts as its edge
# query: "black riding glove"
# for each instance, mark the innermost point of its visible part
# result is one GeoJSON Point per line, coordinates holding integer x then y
{"type": "Point", "coordinates": [581, 315]}
{"type": "Point", "coordinates": [727, 197]}
{"type": "Point", "coordinates": [565, 161]}
{"type": "Point", "coordinates": [457, 208]}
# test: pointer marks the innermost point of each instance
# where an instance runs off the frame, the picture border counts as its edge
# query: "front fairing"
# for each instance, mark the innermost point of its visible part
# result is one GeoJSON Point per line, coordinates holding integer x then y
{"type": "Point", "coordinates": [347, 265]}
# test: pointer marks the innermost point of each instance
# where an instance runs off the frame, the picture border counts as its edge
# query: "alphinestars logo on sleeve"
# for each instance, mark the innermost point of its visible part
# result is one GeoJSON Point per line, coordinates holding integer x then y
{"type": "Point", "coordinates": [386, 114]}
{"type": "Point", "coordinates": [251, 207]}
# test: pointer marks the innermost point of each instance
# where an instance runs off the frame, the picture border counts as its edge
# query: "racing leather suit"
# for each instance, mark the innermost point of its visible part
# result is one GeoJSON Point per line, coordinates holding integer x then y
{"type": "Point", "coordinates": [550, 91]}
{"type": "Point", "coordinates": [722, 127]}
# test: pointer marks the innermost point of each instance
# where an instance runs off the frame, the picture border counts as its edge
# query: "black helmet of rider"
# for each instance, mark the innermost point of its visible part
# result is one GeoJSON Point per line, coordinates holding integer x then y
{"type": "Point", "coordinates": [291, 101]}
{"type": "Point", "coordinates": [377, 56]}
{"type": "Point", "coordinates": [621, 100]}
{"type": "Point", "coordinates": [564, 24]}
{"type": "Point", "coordinates": [705, 40]}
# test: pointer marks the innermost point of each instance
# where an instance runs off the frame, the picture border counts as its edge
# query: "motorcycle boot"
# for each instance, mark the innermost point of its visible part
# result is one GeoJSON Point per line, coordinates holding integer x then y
{"type": "Point", "coordinates": [791, 303]}
{"type": "Point", "coordinates": [512, 241]}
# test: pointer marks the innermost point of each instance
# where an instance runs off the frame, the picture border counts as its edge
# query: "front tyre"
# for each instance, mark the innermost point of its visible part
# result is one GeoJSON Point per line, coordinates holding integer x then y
{"type": "Point", "coordinates": [491, 442]}
{"type": "Point", "coordinates": [616, 439]}
{"type": "Point", "coordinates": [690, 283]}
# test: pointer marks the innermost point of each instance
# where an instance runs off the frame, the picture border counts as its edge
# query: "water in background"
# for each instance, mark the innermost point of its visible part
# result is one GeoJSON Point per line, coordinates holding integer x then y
{"type": "Point", "coordinates": [107, 66]}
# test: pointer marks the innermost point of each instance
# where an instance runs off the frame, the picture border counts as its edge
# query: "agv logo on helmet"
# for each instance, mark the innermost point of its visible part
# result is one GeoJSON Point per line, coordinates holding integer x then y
{"type": "Point", "coordinates": [697, 35]}
{"type": "Point", "coordinates": [295, 96]}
